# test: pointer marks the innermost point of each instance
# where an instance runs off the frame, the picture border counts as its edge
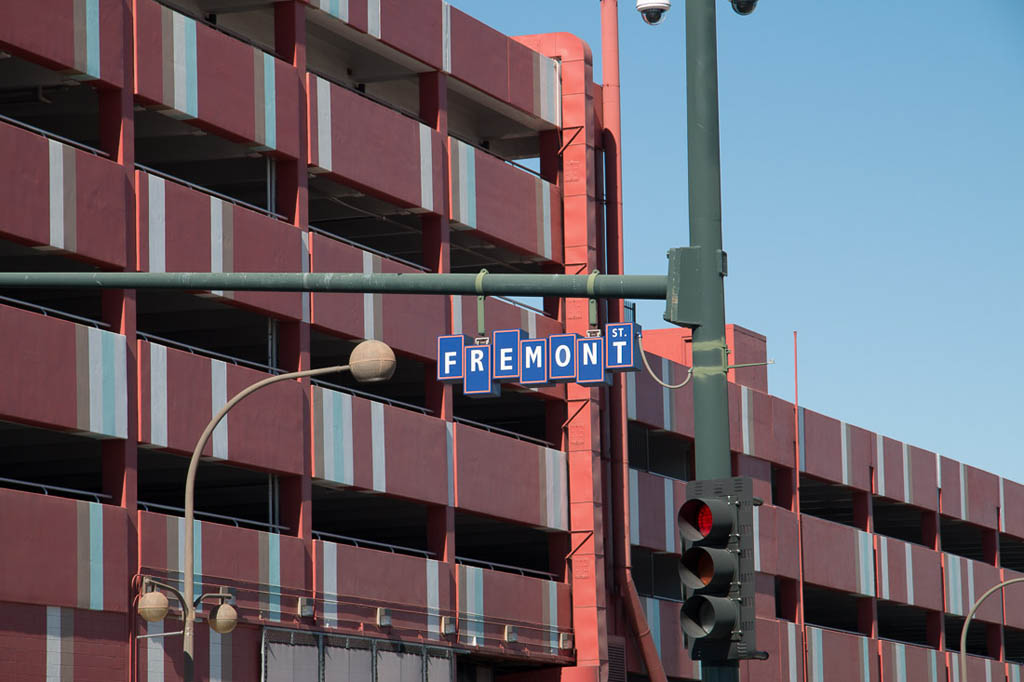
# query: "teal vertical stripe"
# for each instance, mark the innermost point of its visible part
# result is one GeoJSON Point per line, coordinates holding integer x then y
{"type": "Point", "coordinates": [109, 390]}
{"type": "Point", "coordinates": [191, 70]}
{"type": "Point", "coordinates": [96, 556]}
{"type": "Point", "coordinates": [865, 660]}
{"type": "Point", "coordinates": [269, 102]}
{"type": "Point", "coordinates": [274, 575]}
{"type": "Point", "coordinates": [654, 622]}
{"type": "Point", "coordinates": [337, 471]}
{"type": "Point", "coordinates": [470, 175]}
{"type": "Point", "coordinates": [818, 670]}
{"type": "Point", "coordinates": [553, 616]}
{"type": "Point", "coordinates": [92, 37]}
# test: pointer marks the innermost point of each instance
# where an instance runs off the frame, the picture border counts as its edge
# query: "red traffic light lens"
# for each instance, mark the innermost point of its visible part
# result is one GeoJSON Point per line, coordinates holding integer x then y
{"type": "Point", "coordinates": [704, 520]}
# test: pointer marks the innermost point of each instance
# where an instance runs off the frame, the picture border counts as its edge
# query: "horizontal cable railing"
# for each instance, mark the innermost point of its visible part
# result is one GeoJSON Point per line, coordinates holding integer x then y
{"type": "Point", "coordinates": [370, 396]}
{"type": "Point", "coordinates": [236, 521]}
{"type": "Point", "coordinates": [195, 350]}
{"type": "Point", "coordinates": [510, 162]}
{"type": "Point", "coordinates": [47, 489]}
{"type": "Point", "coordinates": [383, 254]}
{"type": "Point", "coordinates": [494, 566]}
{"type": "Point", "coordinates": [504, 432]}
{"type": "Point", "coordinates": [54, 312]}
{"type": "Point", "coordinates": [207, 190]}
{"type": "Point", "coordinates": [358, 542]}
{"type": "Point", "coordinates": [54, 136]}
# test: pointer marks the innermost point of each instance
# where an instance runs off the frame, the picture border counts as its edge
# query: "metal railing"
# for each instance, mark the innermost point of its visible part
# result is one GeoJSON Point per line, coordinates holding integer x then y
{"type": "Point", "coordinates": [54, 312]}
{"type": "Point", "coordinates": [46, 488]}
{"type": "Point", "coordinates": [196, 350]}
{"type": "Point", "coordinates": [236, 521]}
{"type": "Point", "coordinates": [505, 432]}
{"type": "Point", "coordinates": [54, 136]}
{"type": "Point", "coordinates": [371, 396]}
{"type": "Point", "coordinates": [494, 566]}
{"type": "Point", "coordinates": [206, 190]}
{"type": "Point", "coordinates": [371, 544]}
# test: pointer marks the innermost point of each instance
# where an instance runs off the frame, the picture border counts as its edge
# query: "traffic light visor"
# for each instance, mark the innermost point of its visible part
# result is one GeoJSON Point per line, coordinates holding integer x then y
{"type": "Point", "coordinates": [700, 519]}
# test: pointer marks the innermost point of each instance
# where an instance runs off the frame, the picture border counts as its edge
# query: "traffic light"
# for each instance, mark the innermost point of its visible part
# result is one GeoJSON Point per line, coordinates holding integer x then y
{"type": "Point", "coordinates": [716, 526]}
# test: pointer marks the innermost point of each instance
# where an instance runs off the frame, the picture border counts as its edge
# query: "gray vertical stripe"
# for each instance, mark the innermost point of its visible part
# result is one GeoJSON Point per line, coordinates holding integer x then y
{"type": "Point", "coordinates": [906, 473]}
{"type": "Point", "coordinates": [450, 452]}
{"type": "Point", "coordinates": [883, 562]}
{"type": "Point", "coordinates": [634, 509]}
{"type": "Point", "coordinates": [670, 520]}
{"type": "Point", "coordinates": [56, 150]}
{"type": "Point", "coordinates": [433, 600]}
{"type": "Point", "coordinates": [745, 418]}
{"type": "Point", "coordinates": [379, 461]}
{"type": "Point", "coordinates": [155, 652]}
{"type": "Point", "coordinates": [446, 37]}
{"type": "Point", "coordinates": [304, 257]}
{"type": "Point", "coordinates": [1002, 507]}
{"type": "Point", "coordinates": [157, 224]}
{"type": "Point", "coordinates": [370, 301]}
{"type": "Point", "coordinates": [219, 396]}
{"type": "Point", "coordinates": [757, 538]}
{"type": "Point", "coordinates": [373, 18]}
{"type": "Point", "coordinates": [631, 395]}
{"type": "Point", "coordinates": [456, 315]}
{"type": "Point", "coordinates": [157, 394]}
{"type": "Point", "coordinates": [963, 492]}
{"type": "Point", "coordinates": [323, 124]}
{"type": "Point", "coordinates": [426, 168]}
{"type": "Point", "coordinates": [791, 636]}
{"type": "Point", "coordinates": [666, 395]}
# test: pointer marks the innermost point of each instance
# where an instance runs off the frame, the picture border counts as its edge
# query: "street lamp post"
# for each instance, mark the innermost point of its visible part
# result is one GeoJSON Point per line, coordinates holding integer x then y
{"type": "Point", "coordinates": [371, 361]}
{"type": "Point", "coordinates": [970, 617]}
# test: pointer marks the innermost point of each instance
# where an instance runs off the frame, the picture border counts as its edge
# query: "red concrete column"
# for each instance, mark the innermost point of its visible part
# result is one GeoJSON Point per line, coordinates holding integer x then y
{"type": "Point", "coordinates": [862, 511]}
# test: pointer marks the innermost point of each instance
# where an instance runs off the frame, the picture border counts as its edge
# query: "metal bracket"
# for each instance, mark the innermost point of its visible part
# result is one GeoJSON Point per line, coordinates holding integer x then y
{"type": "Point", "coordinates": [749, 364]}
{"type": "Point", "coordinates": [481, 326]}
{"type": "Point", "coordinates": [578, 129]}
{"type": "Point", "coordinates": [593, 301]}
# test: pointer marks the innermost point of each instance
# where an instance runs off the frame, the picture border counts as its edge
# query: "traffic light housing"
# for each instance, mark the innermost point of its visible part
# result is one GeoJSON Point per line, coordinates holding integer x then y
{"type": "Point", "coordinates": [716, 527]}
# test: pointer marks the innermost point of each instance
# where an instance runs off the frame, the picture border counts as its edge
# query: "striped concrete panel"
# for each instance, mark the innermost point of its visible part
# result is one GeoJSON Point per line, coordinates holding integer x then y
{"type": "Point", "coordinates": [157, 394]}
{"type": "Point", "coordinates": [180, 66]}
{"type": "Point", "coordinates": [433, 588]}
{"type": "Point", "coordinates": [373, 309]}
{"type": "Point", "coordinates": [87, 37]}
{"type": "Point", "coordinates": [747, 420]}
{"type": "Point", "coordinates": [89, 517]}
{"type": "Point", "coordinates": [63, 196]}
{"type": "Point", "coordinates": [908, 663]}
{"type": "Point", "coordinates": [336, 8]}
{"type": "Point", "coordinates": [321, 154]}
{"type": "Point", "coordinates": [462, 161]}
{"type": "Point", "coordinates": [175, 550]}
{"type": "Point", "coordinates": [265, 99]}
{"type": "Point", "coordinates": [1013, 671]}
{"type": "Point", "coordinates": [450, 448]}
{"type": "Point", "coordinates": [542, 192]}
{"type": "Point", "coordinates": [155, 647]}
{"type": "Point", "coordinates": [954, 569]}
{"type": "Point", "coordinates": [373, 19]}
{"type": "Point", "coordinates": [328, 552]}
{"type": "Point", "coordinates": [865, 564]}
{"type": "Point", "coordinates": [846, 658]}
{"type": "Point", "coordinates": [547, 89]}
{"type": "Point", "coordinates": [978, 669]}
{"type": "Point", "coordinates": [60, 644]}
{"type": "Point", "coordinates": [652, 611]}
{"type": "Point", "coordinates": [792, 644]}
{"type": "Point", "coordinates": [378, 447]}
{"type": "Point", "coordinates": [426, 167]}
{"type": "Point", "coordinates": [471, 605]}
{"type": "Point", "coordinates": [218, 398]}
{"type": "Point", "coordinates": [157, 223]}
{"type": "Point", "coordinates": [554, 488]}
{"type": "Point", "coordinates": [446, 37]}
{"type": "Point", "coordinates": [222, 239]}
{"type": "Point", "coordinates": [219, 657]}
{"type": "Point", "coordinates": [333, 458]}
{"type": "Point", "coordinates": [101, 386]}
{"type": "Point", "coordinates": [270, 576]}
{"type": "Point", "coordinates": [549, 620]}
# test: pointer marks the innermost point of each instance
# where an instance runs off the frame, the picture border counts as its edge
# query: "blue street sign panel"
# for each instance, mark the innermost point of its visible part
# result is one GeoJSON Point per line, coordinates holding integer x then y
{"type": "Point", "coordinates": [533, 359]}
{"type": "Point", "coordinates": [478, 381]}
{"type": "Point", "coordinates": [449, 358]}
{"type": "Point", "coordinates": [590, 363]}
{"type": "Point", "coordinates": [620, 347]}
{"type": "Point", "coordinates": [562, 357]}
{"type": "Point", "coordinates": [512, 357]}
{"type": "Point", "coordinates": [506, 354]}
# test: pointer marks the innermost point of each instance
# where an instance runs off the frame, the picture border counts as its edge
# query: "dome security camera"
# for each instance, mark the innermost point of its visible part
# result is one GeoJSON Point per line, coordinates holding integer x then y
{"type": "Point", "coordinates": [743, 7]}
{"type": "Point", "coordinates": [653, 11]}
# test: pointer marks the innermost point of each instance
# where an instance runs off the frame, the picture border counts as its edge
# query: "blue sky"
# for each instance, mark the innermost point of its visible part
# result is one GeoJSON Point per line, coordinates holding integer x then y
{"type": "Point", "coordinates": [873, 198]}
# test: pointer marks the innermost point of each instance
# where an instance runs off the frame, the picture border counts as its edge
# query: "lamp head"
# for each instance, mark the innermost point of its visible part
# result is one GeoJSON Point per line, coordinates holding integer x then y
{"type": "Point", "coordinates": [372, 361]}
{"type": "Point", "coordinates": [153, 606]}
{"type": "Point", "coordinates": [223, 618]}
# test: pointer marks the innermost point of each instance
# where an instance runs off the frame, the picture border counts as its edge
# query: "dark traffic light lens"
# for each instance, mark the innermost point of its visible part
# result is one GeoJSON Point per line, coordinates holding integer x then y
{"type": "Point", "coordinates": [704, 520]}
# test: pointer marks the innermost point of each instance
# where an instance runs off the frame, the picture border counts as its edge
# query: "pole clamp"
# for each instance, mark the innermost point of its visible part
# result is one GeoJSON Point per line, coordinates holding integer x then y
{"type": "Point", "coordinates": [481, 326]}
{"type": "Point", "coordinates": [595, 330]}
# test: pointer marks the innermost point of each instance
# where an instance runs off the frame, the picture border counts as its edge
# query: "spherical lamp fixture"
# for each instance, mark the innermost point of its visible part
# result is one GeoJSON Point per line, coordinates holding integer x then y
{"type": "Point", "coordinates": [223, 618]}
{"type": "Point", "coordinates": [372, 361]}
{"type": "Point", "coordinates": [153, 606]}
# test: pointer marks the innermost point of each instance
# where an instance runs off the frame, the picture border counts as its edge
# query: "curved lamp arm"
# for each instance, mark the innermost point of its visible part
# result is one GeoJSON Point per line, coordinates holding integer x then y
{"type": "Point", "coordinates": [970, 616]}
{"type": "Point", "coordinates": [190, 482]}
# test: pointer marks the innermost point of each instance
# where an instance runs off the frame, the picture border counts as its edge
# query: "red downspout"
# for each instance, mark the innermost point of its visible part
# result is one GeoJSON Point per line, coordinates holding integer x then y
{"type": "Point", "coordinates": [610, 94]}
